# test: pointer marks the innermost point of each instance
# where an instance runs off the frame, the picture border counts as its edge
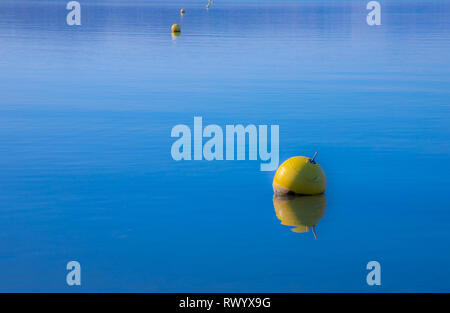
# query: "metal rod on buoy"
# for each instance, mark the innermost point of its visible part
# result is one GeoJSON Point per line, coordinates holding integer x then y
{"type": "Point", "coordinates": [315, 154]}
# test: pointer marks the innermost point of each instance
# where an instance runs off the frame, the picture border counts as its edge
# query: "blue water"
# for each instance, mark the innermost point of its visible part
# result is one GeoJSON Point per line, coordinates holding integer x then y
{"type": "Point", "coordinates": [86, 172]}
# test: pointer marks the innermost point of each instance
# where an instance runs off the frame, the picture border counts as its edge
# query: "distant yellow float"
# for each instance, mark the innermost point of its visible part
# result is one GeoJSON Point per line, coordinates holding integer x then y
{"type": "Point", "coordinates": [300, 175]}
{"type": "Point", "coordinates": [176, 28]}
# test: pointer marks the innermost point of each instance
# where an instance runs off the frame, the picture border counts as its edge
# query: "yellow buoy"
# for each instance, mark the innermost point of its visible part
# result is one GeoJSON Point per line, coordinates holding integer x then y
{"type": "Point", "coordinates": [182, 11]}
{"type": "Point", "coordinates": [300, 175]}
{"type": "Point", "coordinates": [302, 212]}
{"type": "Point", "coordinates": [176, 28]}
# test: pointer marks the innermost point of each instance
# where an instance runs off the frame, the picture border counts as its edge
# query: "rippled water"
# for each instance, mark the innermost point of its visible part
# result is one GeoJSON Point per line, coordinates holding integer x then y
{"type": "Point", "coordinates": [86, 172]}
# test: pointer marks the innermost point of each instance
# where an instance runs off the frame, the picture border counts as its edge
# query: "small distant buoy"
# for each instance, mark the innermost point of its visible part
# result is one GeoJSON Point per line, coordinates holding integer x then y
{"type": "Point", "coordinates": [176, 28]}
{"type": "Point", "coordinates": [182, 11]}
{"type": "Point", "coordinates": [300, 175]}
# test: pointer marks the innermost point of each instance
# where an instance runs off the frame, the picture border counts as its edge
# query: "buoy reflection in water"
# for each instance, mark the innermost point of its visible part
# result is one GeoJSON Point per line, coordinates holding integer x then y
{"type": "Point", "coordinates": [302, 212]}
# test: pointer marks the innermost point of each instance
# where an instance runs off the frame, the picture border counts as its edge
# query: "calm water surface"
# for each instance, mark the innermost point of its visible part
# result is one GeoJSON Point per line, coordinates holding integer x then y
{"type": "Point", "coordinates": [86, 172]}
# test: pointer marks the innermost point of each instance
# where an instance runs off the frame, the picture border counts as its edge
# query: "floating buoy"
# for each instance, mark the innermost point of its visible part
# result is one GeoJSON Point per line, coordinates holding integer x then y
{"type": "Point", "coordinates": [182, 11]}
{"type": "Point", "coordinates": [300, 175]}
{"type": "Point", "coordinates": [176, 28]}
{"type": "Point", "coordinates": [302, 212]}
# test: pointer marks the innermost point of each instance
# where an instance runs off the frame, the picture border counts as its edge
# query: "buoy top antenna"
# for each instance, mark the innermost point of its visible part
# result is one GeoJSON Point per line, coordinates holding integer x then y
{"type": "Point", "coordinates": [312, 160]}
